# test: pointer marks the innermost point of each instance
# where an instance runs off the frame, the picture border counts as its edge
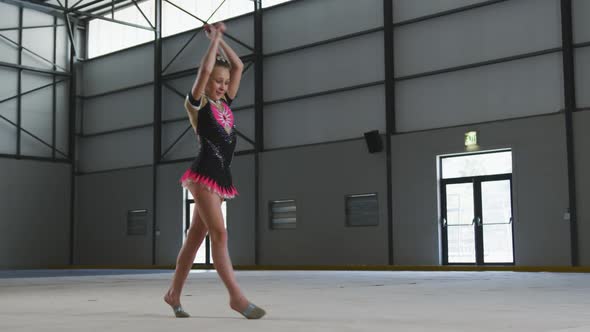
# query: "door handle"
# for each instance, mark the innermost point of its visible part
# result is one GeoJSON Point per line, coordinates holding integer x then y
{"type": "Point", "coordinates": [443, 222]}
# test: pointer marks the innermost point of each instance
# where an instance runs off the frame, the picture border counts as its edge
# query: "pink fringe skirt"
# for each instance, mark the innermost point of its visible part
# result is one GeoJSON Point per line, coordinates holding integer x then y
{"type": "Point", "coordinates": [192, 177]}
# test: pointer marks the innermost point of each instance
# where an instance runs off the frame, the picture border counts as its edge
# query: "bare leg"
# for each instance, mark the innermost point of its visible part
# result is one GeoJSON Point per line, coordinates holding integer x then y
{"type": "Point", "coordinates": [195, 236]}
{"type": "Point", "coordinates": [209, 205]}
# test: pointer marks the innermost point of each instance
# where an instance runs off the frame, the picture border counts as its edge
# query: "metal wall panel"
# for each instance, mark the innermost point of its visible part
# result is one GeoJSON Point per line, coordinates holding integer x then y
{"type": "Point", "coordinates": [512, 89]}
{"type": "Point", "coordinates": [31, 80]}
{"type": "Point", "coordinates": [32, 147]}
{"type": "Point", "coordinates": [581, 20]}
{"type": "Point", "coordinates": [492, 32]}
{"type": "Point", "coordinates": [324, 67]}
{"type": "Point", "coordinates": [582, 146]}
{"type": "Point", "coordinates": [170, 212]}
{"type": "Point", "coordinates": [305, 22]}
{"type": "Point", "coordinates": [241, 218]}
{"type": "Point", "coordinates": [243, 29]}
{"type": "Point", "coordinates": [190, 57]}
{"type": "Point", "coordinates": [243, 145]}
{"type": "Point", "coordinates": [62, 46]}
{"type": "Point", "coordinates": [35, 17]}
{"type": "Point", "coordinates": [103, 202]}
{"type": "Point", "coordinates": [35, 214]}
{"type": "Point", "coordinates": [582, 76]}
{"type": "Point", "coordinates": [9, 15]}
{"type": "Point", "coordinates": [39, 41]}
{"type": "Point", "coordinates": [318, 178]}
{"type": "Point", "coordinates": [119, 70]}
{"type": "Point", "coordinates": [172, 103]}
{"type": "Point", "coordinates": [8, 50]}
{"type": "Point", "coordinates": [62, 120]}
{"type": "Point", "coordinates": [409, 9]}
{"type": "Point", "coordinates": [187, 147]}
{"type": "Point", "coordinates": [7, 130]}
{"type": "Point", "coordinates": [8, 109]}
{"type": "Point", "coordinates": [37, 118]}
{"type": "Point", "coordinates": [326, 118]}
{"type": "Point", "coordinates": [119, 110]}
{"type": "Point", "coordinates": [119, 150]}
{"type": "Point", "coordinates": [8, 88]}
{"type": "Point", "coordinates": [244, 122]}
{"type": "Point", "coordinates": [245, 94]}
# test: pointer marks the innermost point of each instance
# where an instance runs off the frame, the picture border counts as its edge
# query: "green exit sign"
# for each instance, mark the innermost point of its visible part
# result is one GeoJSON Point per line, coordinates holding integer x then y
{"type": "Point", "coordinates": [470, 138]}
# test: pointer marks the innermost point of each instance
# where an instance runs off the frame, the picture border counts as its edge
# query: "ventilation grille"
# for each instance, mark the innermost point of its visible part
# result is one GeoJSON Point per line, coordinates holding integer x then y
{"type": "Point", "coordinates": [283, 214]}
{"type": "Point", "coordinates": [136, 222]}
{"type": "Point", "coordinates": [362, 210]}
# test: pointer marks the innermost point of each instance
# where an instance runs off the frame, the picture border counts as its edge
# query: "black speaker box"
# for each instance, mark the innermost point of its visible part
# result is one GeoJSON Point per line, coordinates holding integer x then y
{"type": "Point", "coordinates": [374, 141]}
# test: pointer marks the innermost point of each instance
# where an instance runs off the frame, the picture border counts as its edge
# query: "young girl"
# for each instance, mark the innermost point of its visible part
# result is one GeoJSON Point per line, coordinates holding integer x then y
{"type": "Point", "coordinates": [209, 178]}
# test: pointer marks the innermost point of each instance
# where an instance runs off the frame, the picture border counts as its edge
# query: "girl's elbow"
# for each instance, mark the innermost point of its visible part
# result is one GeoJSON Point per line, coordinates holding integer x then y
{"type": "Point", "coordinates": [204, 71]}
{"type": "Point", "coordinates": [238, 68]}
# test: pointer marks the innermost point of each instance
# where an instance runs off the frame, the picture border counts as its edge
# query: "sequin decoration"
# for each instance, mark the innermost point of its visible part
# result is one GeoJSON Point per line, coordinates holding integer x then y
{"type": "Point", "coordinates": [223, 115]}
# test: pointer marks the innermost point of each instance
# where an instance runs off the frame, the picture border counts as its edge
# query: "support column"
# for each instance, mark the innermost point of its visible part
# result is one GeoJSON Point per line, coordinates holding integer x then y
{"type": "Point", "coordinates": [567, 41]}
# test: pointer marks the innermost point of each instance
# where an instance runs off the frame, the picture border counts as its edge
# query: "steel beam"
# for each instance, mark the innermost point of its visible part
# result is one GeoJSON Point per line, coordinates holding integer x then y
{"type": "Point", "coordinates": [157, 144]}
{"type": "Point", "coordinates": [389, 117]}
{"type": "Point", "coordinates": [258, 121]}
{"type": "Point", "coordinates": [72, 144]}
{"type": "Point", "coordinates": [33, 27]}
{"type": "Point", "coordinates": [569, 89]}
{"type": "Point", "coordinates": [19, 84]}
{"type": "Point", "coordinates": [33, 69]}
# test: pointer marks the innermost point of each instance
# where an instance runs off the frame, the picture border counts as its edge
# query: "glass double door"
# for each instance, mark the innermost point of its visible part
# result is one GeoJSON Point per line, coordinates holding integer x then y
{"type": "Point", "coordinates": [477, 220]}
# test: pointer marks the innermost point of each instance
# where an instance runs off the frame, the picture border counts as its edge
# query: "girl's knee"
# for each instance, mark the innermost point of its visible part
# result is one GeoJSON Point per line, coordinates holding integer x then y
{"type": "Point", "coordinates": [218, 235]}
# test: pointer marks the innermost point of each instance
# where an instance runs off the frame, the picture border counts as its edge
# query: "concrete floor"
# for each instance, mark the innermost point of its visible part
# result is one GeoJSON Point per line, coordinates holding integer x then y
{"type": "Point", "coordinates": [298, 301]}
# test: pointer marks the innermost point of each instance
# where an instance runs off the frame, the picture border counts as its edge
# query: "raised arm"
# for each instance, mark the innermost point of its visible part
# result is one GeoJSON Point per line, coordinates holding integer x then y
{"type": "Point", "coordinates": [235, 74]}
{"type": "Point", "coordinates": [207, 63]}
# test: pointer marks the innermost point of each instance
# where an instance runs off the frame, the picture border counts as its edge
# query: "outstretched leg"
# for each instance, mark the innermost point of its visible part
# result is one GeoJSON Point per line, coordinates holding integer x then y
{"type": "Point", "coordinates": [195, 236]}
{"type": "Point", "coordinates": [209, 206]}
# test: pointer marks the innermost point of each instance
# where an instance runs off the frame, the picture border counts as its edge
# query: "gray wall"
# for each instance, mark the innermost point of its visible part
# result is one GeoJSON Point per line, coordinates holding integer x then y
{"type": "Point", "coordinates": [511, 89]}
{"type": "Point", "coordinates": [432, 114]}
{"type": "Point", "coordinates": [171, 210]}
{"type": "Point", "coordinates": [101, 227]}
{"type": "Point", "coordinates": [581, 123]}
{"type": "Point", "coordinates": [101, 113]}
{"type": "Point", "coordinates": [240, 212]}
{"type": "Point", "coordinates": [35, 195]}
{"type": "Point", "coordinates": [34, 214]}
{"type": "Point", "coordinates": [342, 64]}
{"type": "Point", "coordinates": [318, 178]}
{"type": "Point", "coordinates": [582, 146]}
{"type": "Point", "coordinates": [540, 196]}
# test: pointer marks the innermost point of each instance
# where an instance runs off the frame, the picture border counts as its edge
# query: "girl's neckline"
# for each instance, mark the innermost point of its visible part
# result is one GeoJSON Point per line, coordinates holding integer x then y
{"type": "Point", "coordinates": [218, 101]}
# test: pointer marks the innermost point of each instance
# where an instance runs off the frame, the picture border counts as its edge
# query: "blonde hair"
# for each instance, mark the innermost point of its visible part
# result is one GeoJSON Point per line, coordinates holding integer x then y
{"type": "Point", "coordinates": [222, 62]}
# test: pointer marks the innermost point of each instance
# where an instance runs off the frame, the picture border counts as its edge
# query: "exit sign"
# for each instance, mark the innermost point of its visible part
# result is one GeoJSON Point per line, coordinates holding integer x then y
{"type": "Point", "coordinates": [470, 138]}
